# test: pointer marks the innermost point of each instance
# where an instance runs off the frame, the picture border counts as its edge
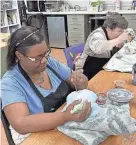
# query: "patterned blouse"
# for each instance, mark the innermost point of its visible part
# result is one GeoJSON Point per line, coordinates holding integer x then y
{"type": "Point", "coordinates": [96, 45]}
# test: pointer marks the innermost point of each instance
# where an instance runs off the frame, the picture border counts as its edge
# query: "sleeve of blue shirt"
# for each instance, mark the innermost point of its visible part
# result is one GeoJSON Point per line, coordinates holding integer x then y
{"type": "Point", "coordinates": [11, 91]}
{"type": "Point", "coordinates": [60, 68]}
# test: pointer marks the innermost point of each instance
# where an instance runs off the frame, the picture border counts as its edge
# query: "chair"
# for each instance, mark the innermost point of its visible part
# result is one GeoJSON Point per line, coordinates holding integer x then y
{"type": "Point", "coordinates": [6, 128]}
{"type": "Point", "coordinates": [71, 53]}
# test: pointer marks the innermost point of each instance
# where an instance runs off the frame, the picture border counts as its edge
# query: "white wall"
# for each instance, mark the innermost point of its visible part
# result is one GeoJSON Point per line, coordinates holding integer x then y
{"type": "Point", "coordinates": [81, 3]}
{"type": "Point", "coordinates": [84, 3]}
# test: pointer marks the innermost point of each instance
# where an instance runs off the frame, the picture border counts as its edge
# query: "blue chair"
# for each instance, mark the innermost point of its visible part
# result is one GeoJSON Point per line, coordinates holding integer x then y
{"type": "Point", "coordinates": [71, 53]}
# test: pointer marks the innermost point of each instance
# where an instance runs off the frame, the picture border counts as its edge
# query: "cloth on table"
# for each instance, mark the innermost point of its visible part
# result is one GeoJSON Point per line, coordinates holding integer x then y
{"type": "Point", "coordinates": [124, 59]}
{"type": "Point", "coordinates": [107, 120]}
{"type": "Point", "coordinates": [130, 32]}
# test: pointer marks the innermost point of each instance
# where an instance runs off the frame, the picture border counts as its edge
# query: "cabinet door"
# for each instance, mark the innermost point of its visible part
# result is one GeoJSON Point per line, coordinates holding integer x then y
{"type": "Point", "coordinates": [56, 32]}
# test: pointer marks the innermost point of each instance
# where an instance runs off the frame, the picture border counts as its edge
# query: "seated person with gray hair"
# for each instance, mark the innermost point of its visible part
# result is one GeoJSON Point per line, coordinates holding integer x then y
{"type": "Point", "coordinates": [101, 44]}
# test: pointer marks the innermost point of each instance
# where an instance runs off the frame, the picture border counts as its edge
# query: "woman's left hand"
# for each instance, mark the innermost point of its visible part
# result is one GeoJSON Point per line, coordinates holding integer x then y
{"type": "Point", "coordinates": [78, 80]}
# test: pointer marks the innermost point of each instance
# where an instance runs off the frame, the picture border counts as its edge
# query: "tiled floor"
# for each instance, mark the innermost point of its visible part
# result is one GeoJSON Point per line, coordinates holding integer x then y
{"type": "Point", "coordinates": [59, 55]}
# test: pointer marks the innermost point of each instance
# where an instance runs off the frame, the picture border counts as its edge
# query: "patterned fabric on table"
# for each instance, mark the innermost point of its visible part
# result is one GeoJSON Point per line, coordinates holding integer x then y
{"type": "Point", "coordinates": [124, 59]}
{"type": "Point", "coordinates": [110, 120]}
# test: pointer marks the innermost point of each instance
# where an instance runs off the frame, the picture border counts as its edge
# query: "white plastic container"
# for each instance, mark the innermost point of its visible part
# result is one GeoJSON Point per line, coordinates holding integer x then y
{"type": "Point", "coordinates": [117, 5]}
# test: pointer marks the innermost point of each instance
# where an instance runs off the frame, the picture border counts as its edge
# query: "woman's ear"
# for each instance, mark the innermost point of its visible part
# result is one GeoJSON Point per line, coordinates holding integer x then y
{"type": "Point", "coordinates": [18, 55]}
{"type": "Point", "coordinates": [108, 29]}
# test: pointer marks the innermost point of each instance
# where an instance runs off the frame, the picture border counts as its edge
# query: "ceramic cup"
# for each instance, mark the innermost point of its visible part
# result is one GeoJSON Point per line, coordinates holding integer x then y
{"type": "Point", "coordinates": [102, 97]}
{"type": "Point", "coordinates": [119, 83]}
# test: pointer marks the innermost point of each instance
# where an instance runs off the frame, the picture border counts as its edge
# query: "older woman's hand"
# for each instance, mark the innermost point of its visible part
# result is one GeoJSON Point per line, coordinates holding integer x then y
{"type": "Point", "coordinates": [130, 38]}
{"type": "Point", "coordinates": [81, 116]}
{"type": "Point", "coordinates": [79, 80]}
{"type": "Point", "coordinates": [122, 38]}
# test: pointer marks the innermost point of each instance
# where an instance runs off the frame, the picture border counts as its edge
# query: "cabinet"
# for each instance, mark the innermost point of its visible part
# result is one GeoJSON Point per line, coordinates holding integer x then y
{"type": "Point", "coordinates": [131, 18]}
{"type": "Point", "coordinates": [57, 31]}
{"type": "Point", "coordinates": [77, 29]}
{"type": "Point", "coordinates": [10, 20]}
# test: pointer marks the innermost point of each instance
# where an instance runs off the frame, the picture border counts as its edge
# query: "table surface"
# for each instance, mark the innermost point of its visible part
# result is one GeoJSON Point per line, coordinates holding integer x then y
{"type": "Point", "coordinates": [102, 82]}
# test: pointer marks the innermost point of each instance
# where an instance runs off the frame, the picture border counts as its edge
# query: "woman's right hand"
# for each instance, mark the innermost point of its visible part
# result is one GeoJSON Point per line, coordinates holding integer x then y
{"type": "Point", "coordinates": [122, 38]}
{"type": "Point", "coordinates": [82, 115]}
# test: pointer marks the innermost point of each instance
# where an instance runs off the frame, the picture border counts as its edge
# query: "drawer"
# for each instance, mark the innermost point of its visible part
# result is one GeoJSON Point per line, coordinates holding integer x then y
{"type": "Point", "coordinates": [75, 41]}
{"type": "Point", "coordinates": [73, 25]}
{"type": "Point", "coordinates": [76, 30]}
{"type": "Point", "coordinates": [76, 35]}
{"type": "Point", "coordinates": [76, 38]}
{"type": "Point", "coordinates": [75, 18]}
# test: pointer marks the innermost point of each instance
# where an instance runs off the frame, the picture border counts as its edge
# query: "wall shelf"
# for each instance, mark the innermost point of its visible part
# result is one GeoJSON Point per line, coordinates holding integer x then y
{"type": "Point", "coordinates": [3, 27]}
{"type": "Point", "coordinates": [13, 25]}
{"type": "Point", "coordinates": [10, 20]}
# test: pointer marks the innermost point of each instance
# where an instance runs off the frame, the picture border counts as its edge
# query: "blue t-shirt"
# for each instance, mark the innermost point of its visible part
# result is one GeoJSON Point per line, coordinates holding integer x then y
{"type": "Point", "coordinates": [15, 88]}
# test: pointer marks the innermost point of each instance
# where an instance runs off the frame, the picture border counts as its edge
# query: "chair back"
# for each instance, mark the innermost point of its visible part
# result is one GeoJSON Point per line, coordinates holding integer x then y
{"type": "Point", "coordinates": [6, 128]}
{"type": "Point", "coordinates": [71, 53]}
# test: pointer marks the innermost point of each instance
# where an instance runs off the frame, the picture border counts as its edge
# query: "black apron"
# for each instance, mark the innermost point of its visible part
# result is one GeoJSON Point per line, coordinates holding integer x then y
{"type": "Point", "coordinates": [93, 64]}
{"type": "Point", "coordinates": [54, 100]}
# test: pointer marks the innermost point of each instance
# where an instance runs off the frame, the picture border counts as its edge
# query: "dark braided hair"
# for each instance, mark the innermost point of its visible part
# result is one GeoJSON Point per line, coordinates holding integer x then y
{"type": "Point", "coordinates": [21, 40]}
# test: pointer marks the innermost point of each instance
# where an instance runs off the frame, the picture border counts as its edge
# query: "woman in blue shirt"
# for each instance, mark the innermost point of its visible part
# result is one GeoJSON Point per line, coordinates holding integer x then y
{"type": "Point", "coordinates": [31, 68]}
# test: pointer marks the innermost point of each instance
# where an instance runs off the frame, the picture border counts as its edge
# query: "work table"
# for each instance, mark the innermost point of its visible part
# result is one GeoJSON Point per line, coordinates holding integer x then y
{"type": "Point", "coordinates": [54, 137]}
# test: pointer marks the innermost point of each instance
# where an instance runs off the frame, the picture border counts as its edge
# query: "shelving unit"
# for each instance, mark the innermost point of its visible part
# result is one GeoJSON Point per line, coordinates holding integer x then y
{"type": "Point", "coordinates": [10, 20]}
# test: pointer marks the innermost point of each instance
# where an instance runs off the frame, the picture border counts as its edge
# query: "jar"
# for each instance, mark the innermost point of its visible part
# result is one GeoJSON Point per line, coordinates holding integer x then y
{"type": "Point", "coordinates": [117, 5]}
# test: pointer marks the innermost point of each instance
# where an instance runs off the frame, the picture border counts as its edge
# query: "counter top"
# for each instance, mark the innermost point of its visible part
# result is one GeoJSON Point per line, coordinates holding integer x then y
{"type": "Point", "coordinates": [83, 12]}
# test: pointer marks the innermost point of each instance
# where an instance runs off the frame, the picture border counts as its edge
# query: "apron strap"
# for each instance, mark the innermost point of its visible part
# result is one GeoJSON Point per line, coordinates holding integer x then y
{"type": "Point", "coordinates": [103, 28]}
{"type": "Point", "coordinates": [32, 85]}
{"type": "Point", "coordinates": [55, 72]}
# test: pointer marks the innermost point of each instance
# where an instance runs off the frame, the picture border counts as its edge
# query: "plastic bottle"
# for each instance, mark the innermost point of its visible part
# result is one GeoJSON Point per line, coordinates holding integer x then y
{"type": "Point", "coordinates": [117, 5]}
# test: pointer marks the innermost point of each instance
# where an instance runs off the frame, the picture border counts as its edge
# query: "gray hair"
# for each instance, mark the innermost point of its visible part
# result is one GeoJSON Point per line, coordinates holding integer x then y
{"type": "Point", "coordinates": [115, 20]}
